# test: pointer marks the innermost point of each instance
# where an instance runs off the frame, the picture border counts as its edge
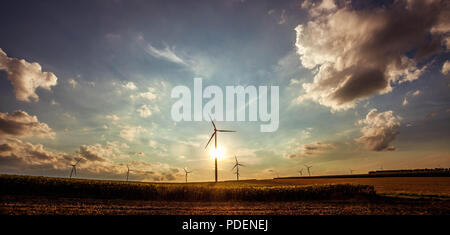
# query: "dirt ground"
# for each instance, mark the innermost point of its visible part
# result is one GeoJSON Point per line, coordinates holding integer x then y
{"type": "Point", "coordinates": [76, 206]}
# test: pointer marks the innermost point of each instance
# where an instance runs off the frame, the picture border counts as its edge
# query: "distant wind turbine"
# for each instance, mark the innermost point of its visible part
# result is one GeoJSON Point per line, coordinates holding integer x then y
{"type": "Point", "coordinates": [128, 172]}
{"type": "Point", "coordinates": [215, 144]}
{"type": "Point", "coordinates": [351, 171]}
{"type": "Point", "coordinates": [187, 172]}
{"type": "Point", "coordinates": [236, 165]}
{"type": "Point", "coordinates": [74, 168]}
{"type": "Point", "coordinates": [301, 172]}
{"type": "Point", "coordinates": [307, 167]}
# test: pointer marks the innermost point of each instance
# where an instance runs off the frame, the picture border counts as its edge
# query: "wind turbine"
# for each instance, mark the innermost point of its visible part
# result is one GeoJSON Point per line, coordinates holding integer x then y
{"type": "Point", "coordinates": [301, 172]}
{"type": "Point", "coordinates": [128, 172]}
{"type": "Point", "coordinates": [236, 165]}
{"type": "Point", "coordinates": [74, 168]}
{"type": "Point", "coordinates": [215, 144]}
{"type": "Point", "coordinates": [307, 167]}
{"type": "Point", "coordinates": [351, 171]}
{"type": "Point", "coordinates": [187, 172]}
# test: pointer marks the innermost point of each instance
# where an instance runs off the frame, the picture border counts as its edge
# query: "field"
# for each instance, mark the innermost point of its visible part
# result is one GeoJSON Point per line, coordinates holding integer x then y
{"type": "Point", "coordinates": [342, 196]}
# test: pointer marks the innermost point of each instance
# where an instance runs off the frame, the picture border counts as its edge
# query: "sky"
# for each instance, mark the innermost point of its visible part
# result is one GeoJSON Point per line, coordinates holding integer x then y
{"type": "Point", "coordinates": [363, 85]}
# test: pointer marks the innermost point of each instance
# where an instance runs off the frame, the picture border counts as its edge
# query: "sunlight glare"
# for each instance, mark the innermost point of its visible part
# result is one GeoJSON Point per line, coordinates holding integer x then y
{"type": "Point", "coordinates": [219, 153]}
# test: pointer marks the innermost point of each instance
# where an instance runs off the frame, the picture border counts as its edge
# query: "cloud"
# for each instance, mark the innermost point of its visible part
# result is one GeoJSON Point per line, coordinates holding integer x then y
{"type": "Point", "coordinates": [129, 132]}
{"type": "Point", "coordinates": [20, 124]}
{"type": "Point", "coordinates": [150, 94]}
{"type": "Point", "coordinates": [73, 82]}
{"type": "Point", "coordinates": [283, 17]}
{"type": "Point", "coordinates": [167, 54]}
{"type": "Point", "coordinates": [144, 111]}
{"type": "Point", "coordinates": [130, 86]}
{"type": "Point", "coordinates": [152, 143]}
{"type": "Point", "coordinates": [410, 93]}
{"type": "Point", "coordinates": [198, 63]}
{"type": "Point", "coordinates": [355, 54]}
{"type": "Point", "coordinates": [446, 67]}
{"type": "Point", "coordinates": [26, 77]}
{"type": "Point", "coordinates": [380, 130]}
{"type": "Point", "coordinates": [112, 117]}
{"type": "Point", "coordinates": [405, 102]}
{"type": "Point", "coordinates": [416, 93]}
{"type": "Point", "coordinates": [310, 150]}
{"type": "Point", "coordinates": [100, 153]}
{"type": "Point", "coordinates": [294, 82]}
{"type": "Point", "coordinates": [21, 157]}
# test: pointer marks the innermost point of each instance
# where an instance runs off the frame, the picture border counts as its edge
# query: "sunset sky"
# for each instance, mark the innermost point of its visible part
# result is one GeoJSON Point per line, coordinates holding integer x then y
{"type": "Point", "coordinates": [363, 85]}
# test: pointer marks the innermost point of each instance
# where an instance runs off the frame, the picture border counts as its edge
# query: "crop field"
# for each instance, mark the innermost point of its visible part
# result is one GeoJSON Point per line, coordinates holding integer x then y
{"type": "Point", "coordinates": [44, 195]}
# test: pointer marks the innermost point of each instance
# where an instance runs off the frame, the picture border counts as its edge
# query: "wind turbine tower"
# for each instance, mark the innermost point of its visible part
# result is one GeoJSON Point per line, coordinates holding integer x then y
{"type": "Point", "coordinates": [236, 165]}
{"type": "Point", "coordinates": [187, 172]}
{"type": "Point", "coordinates": [308, 167]}
{"type": "Point", "coordinates": [74, 168]}
{"type": "Point", "coordinates": [215, 145]}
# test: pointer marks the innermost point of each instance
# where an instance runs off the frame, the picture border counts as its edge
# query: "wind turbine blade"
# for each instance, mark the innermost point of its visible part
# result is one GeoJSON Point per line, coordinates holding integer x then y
{"type": "Point", "coordinates": [214, 125]}
{"type": "Point", "coordinates": [210, 139]}
{"type": "Point", "coordinates": [234, 167]}
{"type": "Point", "coordinates": [241, 164]}
{"type": "Point", "coordinates": [225, 131]}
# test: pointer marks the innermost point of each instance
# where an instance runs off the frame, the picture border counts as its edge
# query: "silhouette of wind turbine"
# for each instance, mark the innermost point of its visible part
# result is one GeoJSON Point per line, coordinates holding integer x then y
{"type": "Point", "coordinates": [301, 172]}
{"type": "Point", "coordinates": [128, 172]}
{"type": "Point", "coordinates": [351, 171]}
{"type": "Point", "coordinates": [187, 172]}
{"type": "Point", "coordinates": [74, 168]}
{"type": "Point", "coordinates": [307, 167]}
{"type": "Point", "coordinates": [236, 165]}
{"type": "Point", "coordinates": [215, 144]}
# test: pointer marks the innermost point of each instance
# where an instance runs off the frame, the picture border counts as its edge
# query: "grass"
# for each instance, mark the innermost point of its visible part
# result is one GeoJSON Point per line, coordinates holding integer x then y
{"type": "Point", "coordinates": [99, 189]}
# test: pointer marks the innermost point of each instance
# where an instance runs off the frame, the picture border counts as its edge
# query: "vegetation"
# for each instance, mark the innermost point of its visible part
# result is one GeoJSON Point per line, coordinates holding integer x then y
{"type": "Point", "coordinates": [99, 189]}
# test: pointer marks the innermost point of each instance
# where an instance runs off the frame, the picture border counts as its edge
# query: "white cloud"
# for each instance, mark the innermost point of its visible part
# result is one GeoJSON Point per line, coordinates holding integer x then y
{"type": "Point", "coordinates": [26, 77]}
{"type": "Point", "coordinates": [130, 86]}
{"type": "Point", "coordinates": [416, 93]}
{"type": "Point", "coordinates": [144, 111]}
{"type": "Point", "coordinates": [294, 82]}
{"type": "Point", "coordinates": [167, 54]}
{"type": "Point", "coordinates": [357, 54]}
{"type": "Point", "coordinates": [152, 143]}
{"type": "Point", "coordinates": [129, 132]}
{"type": "Point", "coordinates": [73, 82]}
{"type": "Point", "coordinates": [150, 94]}
{"type": "Point", "coordinates": [446, 67]}
{"type": "Point", "coordinates": [112, 117]}
{"type": "Point", "coordinates": [380, 130]}
{"type": "Point", "coordinates": [283, 17]}
{"type": "Point", "coordinates": [405, 102]}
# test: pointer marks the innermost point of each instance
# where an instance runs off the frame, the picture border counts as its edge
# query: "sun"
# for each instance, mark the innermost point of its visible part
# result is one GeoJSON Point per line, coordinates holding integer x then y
{"type": "Point", "coordinates": [219, 153]}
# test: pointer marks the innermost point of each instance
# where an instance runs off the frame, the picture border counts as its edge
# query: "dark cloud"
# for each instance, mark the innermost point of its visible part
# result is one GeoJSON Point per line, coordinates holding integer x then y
{"type": "Point", "coordinates": [359, 53]}
{"type": "Point", "coordinates": [20, 124]}
{"type": "Point", "coordinates": [26, 77]}
{"type": "Point", "coordinates": [310, 150]}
